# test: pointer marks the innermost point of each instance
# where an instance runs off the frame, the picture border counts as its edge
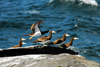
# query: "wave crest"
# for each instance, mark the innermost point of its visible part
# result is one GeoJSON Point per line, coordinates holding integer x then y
{"type": "Point", "coordinates": [79, 2]}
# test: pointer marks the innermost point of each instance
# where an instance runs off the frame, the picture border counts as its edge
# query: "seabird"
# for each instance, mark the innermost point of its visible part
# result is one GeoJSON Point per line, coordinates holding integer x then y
{"type": "Point", "coordinates": [70, 43]}
{"type": "Point", "coordinates": [20, 43]}
{"type": "Point", "coordinates": [60, 41]}
{"type": "Point", "coordinates": [36, 30]}
{"type": "Point", "coordinates": [44, 39]}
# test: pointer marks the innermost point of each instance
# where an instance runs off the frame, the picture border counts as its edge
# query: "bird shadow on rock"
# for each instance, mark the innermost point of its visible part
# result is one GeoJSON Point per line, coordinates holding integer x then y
{"type": "Point", "coordinates": [36, 50]}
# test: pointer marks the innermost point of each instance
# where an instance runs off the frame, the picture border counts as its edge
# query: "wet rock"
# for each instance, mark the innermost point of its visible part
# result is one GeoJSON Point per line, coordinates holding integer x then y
{"type": "Point", "coordinates": [42, 56]}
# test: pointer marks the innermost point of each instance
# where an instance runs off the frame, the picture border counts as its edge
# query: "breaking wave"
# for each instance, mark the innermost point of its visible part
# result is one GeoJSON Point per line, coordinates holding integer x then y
{"type": "Point", "coordinates": [78, 2]}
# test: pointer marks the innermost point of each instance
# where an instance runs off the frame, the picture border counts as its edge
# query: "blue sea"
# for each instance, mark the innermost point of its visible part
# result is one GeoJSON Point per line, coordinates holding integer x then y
{"type": "Point", "coordinates": [78, 18]}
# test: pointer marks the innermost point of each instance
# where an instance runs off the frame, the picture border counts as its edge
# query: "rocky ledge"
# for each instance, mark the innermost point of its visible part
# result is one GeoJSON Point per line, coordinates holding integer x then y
{"type": "Point", "coordinates": [42, 56]}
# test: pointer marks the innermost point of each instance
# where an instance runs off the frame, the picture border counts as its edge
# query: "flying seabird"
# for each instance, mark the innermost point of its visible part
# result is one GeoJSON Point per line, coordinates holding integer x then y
{"type": "Point", "coordinates": [36, 30]}
{"type": "Point", "coordinates": [59, 41]}
{"type": "Point", "coordinates": [20, 43]}
{"type": "Point", "coordinates": [70, 43]}
{"type": "Point", "coordinates": [44, 39]}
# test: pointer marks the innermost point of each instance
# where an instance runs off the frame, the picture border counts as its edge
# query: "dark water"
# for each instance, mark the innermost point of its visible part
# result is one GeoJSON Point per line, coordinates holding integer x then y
{"type": "Point", "coordinates": [16, 17]}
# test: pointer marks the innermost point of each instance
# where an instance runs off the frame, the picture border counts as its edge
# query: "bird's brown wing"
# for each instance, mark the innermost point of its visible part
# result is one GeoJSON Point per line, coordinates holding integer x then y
{"type": "Point", "coordinates": [42, 38]}
{"type": "Point", "coordinates": [68, 44]}
{"type": "Point", "coordinates": [33, 27]}
{"type": "Point", "coordinates": [58, 41]}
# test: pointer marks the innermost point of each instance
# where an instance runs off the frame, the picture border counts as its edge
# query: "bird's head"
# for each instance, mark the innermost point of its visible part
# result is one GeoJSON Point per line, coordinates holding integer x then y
{"type": "Point", "coordinates": [66, 34]}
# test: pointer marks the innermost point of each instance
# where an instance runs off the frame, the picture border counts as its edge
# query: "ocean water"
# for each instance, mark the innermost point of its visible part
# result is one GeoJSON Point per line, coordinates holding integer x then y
{"type": "Point", "coordinates": [78, 18]}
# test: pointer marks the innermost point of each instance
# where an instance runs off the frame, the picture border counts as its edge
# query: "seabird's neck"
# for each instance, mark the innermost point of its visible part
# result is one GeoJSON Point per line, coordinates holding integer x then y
{"type": "Point", "coordinates": [20, 43]}
{"type": "Point", "coordinates": [50, 35]}
{"type": "Point", "coordinates": [71, 42]}
{"type": "Point", "coordinates": [64, 37]}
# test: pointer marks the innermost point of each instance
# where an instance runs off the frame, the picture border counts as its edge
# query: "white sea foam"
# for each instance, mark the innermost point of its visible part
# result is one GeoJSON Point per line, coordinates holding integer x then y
{"type": "Point", "coordinates": [92, 2]}
{"type": "Point", "coordinates": [51, 1]}
{"type": "Point", "coordinates": [76, 25]}
{"type": "Point", "coordinates": [32, 12]}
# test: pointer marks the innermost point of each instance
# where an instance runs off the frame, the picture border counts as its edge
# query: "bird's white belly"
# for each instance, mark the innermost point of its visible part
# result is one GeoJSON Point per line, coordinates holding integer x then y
{"type": "Point", "coordinates": [37, 34]}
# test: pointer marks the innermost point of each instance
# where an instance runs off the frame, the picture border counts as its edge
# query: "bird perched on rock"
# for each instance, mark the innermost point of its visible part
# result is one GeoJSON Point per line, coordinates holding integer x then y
{"type": "Point", "coordinates": [70, 43]}
{"type": "Point", "coordinates": [20, 43]}
{"type": "Point", "coordinates": [44, 39]}
{"type": "Point", "coordinates": [59, 41]}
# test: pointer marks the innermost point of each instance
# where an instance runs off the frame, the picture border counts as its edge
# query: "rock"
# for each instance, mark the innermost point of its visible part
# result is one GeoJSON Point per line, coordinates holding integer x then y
{"type": "Point", "coordinates": [47, 60]}
{"type": "Point", "coordinates": [44, 57]}
{"type": "Point", "coordinates": [34, 50]}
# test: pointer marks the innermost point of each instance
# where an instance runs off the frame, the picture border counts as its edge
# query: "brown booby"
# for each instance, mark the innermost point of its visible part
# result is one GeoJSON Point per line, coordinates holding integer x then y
{"type": "Point", "coordinates": [36, 30]}
{"type": "Point", "coordinates": [70, 43]}
{"type": "Point", "coordinates": [20, 43]}
{"type": "Point", "coordinates": [59, 41]}
{"type": "Point", "coordinates": [44, 39]}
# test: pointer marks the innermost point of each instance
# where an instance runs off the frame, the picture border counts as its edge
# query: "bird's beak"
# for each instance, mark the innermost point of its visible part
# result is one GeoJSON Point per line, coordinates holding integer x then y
{"type": "Point", "coordinates": [53, 31]}
{"type": "Point", "coordinates": [76, 38]}
{"type": "Point", "coordinates": [23, 43]}
{"type": "Point", "coordinates": [23, 39]}
{"type": "Point", "coordinates": [67, 35]}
